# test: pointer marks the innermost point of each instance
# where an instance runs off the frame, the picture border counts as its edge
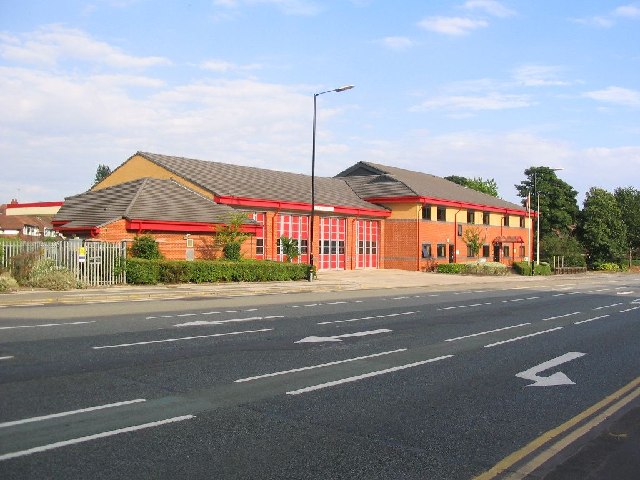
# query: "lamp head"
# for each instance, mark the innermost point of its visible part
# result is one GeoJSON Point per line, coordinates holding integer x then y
{"type": "Point", "coordinates": [343, 88]}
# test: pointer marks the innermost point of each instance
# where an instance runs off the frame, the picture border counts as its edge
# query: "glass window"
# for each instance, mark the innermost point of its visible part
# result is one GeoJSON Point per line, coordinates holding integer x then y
{"type": "Point", "coordinates": [442, 214]}
{"type": "Point", "coordinates": [426, 212]}
{"type": "Point", "coordinates": [506, 220]}
{"type": "Point", "coordinates": [486, 218]}
{"type": "Point", "coordinates": [505, 251]}
{"type": "Point", "coordinates": [471, 216]}
{"type": "Point", "coordinates": [426, 250]}
{"type": "Point", "coordinates": [442, 250]}
{"type": "Point", "coordinates": [469, 252]}
{"type": "Point", "coordinates": [486, 250]}
{"type": "Point", "coordinates": [522, 223]}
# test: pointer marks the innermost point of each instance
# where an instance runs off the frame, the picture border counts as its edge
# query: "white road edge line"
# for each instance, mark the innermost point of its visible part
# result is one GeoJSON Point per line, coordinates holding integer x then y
{"type": "Point", "coordinates": [46, 325]}
{"type": "Point", "coordinates": [70, 412]}
{"type": "Point", "coordinates": [590, 319]}
{"type": "Point", "coordinates": [520, 338]}
{"type": "Point", "coordinates": [73, 441]}
{"type": "Point", "coordinates": [322, 365]}
{"type": "Point", "coordinates": [181, 338]}
{"type": "Point", "coordinates": [198, 323]}
{"type": "Point", "coordinates": [486, 333]}
{"type": "Point", "coordinates": [366, 375]}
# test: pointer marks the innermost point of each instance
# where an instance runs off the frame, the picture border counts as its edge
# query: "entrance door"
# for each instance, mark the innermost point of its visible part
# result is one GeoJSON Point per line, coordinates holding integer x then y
{"type": "Point", "coordinates": [452, 250]}
{"type": "Point", "coordinates": [496, 252]}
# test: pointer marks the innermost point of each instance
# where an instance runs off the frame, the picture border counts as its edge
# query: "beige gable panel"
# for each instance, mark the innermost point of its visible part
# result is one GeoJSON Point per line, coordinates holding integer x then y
{"type": "Point", "coordinates": [138, 167]}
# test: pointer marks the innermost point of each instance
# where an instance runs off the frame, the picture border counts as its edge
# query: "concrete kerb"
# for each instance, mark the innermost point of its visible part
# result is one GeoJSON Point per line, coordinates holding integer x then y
{"type": "Point", "coordinates": [326, 282]}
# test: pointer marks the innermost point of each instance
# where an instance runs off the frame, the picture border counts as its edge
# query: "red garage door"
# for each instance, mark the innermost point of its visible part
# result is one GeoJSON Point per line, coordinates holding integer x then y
{"type": "Point", "coordinates": [333, 232]}
{"type": "Point", "coordinates": [296, 228]}
{"type": "Point", "coordinates": [367, 235]}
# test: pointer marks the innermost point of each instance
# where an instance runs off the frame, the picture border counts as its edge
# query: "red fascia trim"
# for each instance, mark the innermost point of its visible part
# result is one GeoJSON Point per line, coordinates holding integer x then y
{"type": "Point", "coordinates": [447, 203]}
{"type": "Point", "coordinates": [35, 204]}
{"type": "Point", "coordinates": [156, 225]}
{"type": "Point", "coordinates": [306, 207]}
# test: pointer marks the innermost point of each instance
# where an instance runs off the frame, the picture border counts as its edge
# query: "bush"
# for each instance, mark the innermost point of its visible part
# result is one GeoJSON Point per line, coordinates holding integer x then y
{"type": "Point", "coordinates": [231, 251]}
{"type": "Point", "coordinates": [46, 274]}
{"type": "Point", "coordinates": [475, 268]}
{"type": "Point", "coordinates": [7, 283]}
{"type": "Point", "coordinates": [21, 266]}
{"type": "Point", "coordinates": [140, 271]}
{"type": "Point", "coordinates": [522, 268]}
{"type": "Point", "coordinates": [606, 267]}
{"type": "Point", "coordinates": [542, 269]}
{"type": "Point", "coordinates": [145, 246]}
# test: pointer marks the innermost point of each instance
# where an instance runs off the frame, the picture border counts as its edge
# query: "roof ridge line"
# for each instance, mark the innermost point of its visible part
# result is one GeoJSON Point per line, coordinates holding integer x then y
{"type": "Point", "coordinates": [135, 197]}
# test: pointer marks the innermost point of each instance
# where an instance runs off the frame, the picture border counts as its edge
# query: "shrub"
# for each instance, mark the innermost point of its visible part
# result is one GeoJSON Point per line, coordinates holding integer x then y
{"type": "Point", "coordinates": [46, 274]}
{"type": "Point", "coordinates": [451, 268]}
{"type": "Point", "coordinates": [141, 271]}
{"type": "Point", "coordinates": [606, 267]}
{"type": "Point", "coordinates": [486, 268]}
{"type": "Point", "coordinates": [231, 251]}
{"type": "Point", "coordinates": [145, 246]}
{"type": "Point", "coordinates": [7, 283]}
{"type": "Point", "coordinates": [542, 269]}
{"type": "Point", "coordinates": [22, 264]}
{"type": "Point", "coordinates": [522, 268]}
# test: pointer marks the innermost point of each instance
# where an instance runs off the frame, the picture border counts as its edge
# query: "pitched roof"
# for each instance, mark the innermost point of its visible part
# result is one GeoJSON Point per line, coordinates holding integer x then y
{"type": "Point", "coordinates": [16, 222]}
{"type": "Point", "coordinates": [227, 180]}
{"type": "Point", "coordinates": [373, 180]}
{"type": "Point", "coordinates": [142, 199]}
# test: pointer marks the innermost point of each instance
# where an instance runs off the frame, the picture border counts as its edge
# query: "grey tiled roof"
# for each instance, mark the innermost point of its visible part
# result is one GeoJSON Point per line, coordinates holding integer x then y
{"type": "Point", "coordinates": [225, 179]}
{"type": "Point", "coordinates": [142, 199]}
{"type": "Point", "coordinates": [370, 180]}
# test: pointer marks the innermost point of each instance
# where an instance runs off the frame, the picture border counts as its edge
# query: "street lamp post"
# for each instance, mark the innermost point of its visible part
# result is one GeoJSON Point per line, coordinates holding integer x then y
{"type": "Point", "coordinates": [313, 171]}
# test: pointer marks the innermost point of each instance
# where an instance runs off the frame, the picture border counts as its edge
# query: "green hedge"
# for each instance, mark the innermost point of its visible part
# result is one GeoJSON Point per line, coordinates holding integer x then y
{"type": "Point", "coordinates": [542, 269]}
{"type": "Point", "coordinates": [476, 268]}
{"type": "Point", "coordinates": [523, 268]}
{"type": "Point", "coordinates": [150, 272]}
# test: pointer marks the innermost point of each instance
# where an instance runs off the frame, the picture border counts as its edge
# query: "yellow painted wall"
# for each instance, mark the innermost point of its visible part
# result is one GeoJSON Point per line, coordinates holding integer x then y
{"type": "Point", "coordinates": [405, 211]}
{"type": "Point", "coordinates": [139, 167]}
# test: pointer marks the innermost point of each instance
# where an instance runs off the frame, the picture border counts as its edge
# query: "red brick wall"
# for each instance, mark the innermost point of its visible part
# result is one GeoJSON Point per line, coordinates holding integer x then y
{"type": "Point", "coordinates": [173, 245]}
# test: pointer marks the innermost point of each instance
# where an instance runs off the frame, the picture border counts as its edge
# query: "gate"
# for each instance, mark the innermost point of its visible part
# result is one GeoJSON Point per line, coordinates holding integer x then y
{"type": "Point", "coordinates": [92, 263]}
{"type": "Point", "coordinates": [332, 241]}
{"type": "Point", "coordinates": [367, 235]}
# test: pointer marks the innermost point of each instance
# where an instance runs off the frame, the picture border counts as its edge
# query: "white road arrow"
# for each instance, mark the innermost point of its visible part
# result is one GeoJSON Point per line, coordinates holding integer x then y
{"type": "Point", "coordinates": [557, 378]}
{"type": "Point", "coordinates": [338, 338]}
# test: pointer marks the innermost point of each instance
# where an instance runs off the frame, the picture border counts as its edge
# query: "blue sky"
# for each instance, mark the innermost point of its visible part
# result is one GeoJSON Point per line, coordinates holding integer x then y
{"type": "Point", "coordinates": [479, 88]}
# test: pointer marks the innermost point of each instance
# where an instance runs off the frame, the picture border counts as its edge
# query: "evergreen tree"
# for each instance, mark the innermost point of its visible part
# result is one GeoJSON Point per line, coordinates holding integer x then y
{"type": "Point", "coordinates": [602, 230]}
{"type": "Point", "coordinates": [558, 200]}
{"type": "Point", "coordinates": [102, 172]}
{"type": "Point", "coordinates": [629, 202]}
{"type": "Point", "coordinates": [488, 186]}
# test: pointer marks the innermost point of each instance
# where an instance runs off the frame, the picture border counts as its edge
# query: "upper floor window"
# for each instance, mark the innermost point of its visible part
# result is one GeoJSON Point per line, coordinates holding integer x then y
{"type": "Point", "coordinates": [506, 221]}
{"type": "Point", "coordinates": [522, 222]}
{"type": "Point", "coordinates": [426, 212]}
{"type": "Point", "coordinates": [485, 218]}
{"type": "Point", "coordinates": [471, 216]}
{"type": "Point", "coordinates": [442, 214]}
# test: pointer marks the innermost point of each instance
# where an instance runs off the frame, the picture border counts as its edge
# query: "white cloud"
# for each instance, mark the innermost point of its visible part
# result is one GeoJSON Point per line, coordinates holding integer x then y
{"type": "Point", "coordinates": [52, 44]}
{"type": "Point", "coordinates": [452, 25]}
{"type": "Point", "coordinates": [397, 43]}
{"type": "Point", "coordinates": [627, 11]}
{"type": "Point", "coordinates": [289, 7]}
{"type": "Point", "coordinates": [616, 95]}
{"type": "Point", "coordinates": [222, 66]}
{"type": "Point", "coordinates": [491, 7]}
{"type": "Point", "coordinates": [538, 76]}
{"type": "Point", "coordinates": [490, 101]}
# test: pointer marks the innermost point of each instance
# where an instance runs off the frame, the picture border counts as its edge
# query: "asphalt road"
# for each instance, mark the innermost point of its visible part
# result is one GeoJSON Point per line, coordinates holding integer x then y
{"type": "Point", "coordinates": [407, 384]}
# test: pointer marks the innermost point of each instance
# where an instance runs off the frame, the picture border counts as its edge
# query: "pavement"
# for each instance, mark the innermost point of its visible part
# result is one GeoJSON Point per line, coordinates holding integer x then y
{"type": "Point", "coordinates": [327, 281]}
{"type": "Point", "coordinates": [611, 451]}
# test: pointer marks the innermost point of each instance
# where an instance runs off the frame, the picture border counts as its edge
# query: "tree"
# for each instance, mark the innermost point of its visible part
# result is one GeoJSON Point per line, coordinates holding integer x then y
{"type": "Point", "coordinates": [145, 246]}
{"type": "Point", "coordinates": [230, 236]}
{"type": "Point", "coordinates": [488, 186]}
{"type": "Point", "coordinates": [558, 204]}
{"type": "Point", "coordinates": [602, 230]}
{"type": "Point", "coordinates": [289, 248]}
{"type": "Point", "coordinates": [474, 239]}
{"type": "Point", "coordinates": [102, 172]}
{"type": "Point", "coordinates": [565, 246]}
{"type": "Point", "coordinates": [629, 202]}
